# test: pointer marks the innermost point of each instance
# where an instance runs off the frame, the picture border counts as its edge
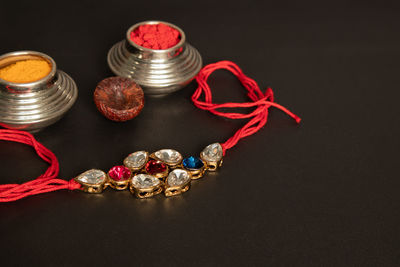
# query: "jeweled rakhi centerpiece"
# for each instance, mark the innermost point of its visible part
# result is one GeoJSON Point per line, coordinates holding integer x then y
{"type": "Point", "coordinates": [147, 175]}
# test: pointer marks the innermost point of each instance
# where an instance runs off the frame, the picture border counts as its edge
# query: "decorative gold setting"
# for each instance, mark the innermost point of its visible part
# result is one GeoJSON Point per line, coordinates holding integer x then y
{"type": "Point", "coordinates": [170, 190]}
{"type": "Point", "coordinates": [136, 169]}
{"type": "Point", "coordinates": [93, 188]}
{"type": "Point", "coordinates": [213, 165]}
{"type": "Point", "coordinates": [146, 192]}
{"type": "Point", "coordinates": [118, 185]}
{"type": "Point", "coordinates": [176, 190]}
{"type": "Point", "coordinates": [213, 155]}
{"type": "Point", "coordinates": [197, 173]}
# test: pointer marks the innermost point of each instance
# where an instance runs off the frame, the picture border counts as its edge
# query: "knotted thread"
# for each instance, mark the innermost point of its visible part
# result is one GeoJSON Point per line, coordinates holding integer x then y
{"type": "Point", "coordinates": [46, 182]}
{"type": "Point", "coordinates": [261, 101]}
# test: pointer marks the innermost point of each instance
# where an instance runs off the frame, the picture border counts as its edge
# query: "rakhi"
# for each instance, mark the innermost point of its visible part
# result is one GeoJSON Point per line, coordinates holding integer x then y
{"type": "Point", "coordinates": [148, 174]}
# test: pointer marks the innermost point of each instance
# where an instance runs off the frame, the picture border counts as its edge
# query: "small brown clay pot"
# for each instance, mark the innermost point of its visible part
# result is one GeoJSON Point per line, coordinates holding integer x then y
{"type": "Point", "coordinates": [119, 98]}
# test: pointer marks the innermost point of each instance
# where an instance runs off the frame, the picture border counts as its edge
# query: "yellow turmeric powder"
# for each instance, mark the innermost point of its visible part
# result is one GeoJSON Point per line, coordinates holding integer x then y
{"type": "Point", "coordinates": [25, 71]}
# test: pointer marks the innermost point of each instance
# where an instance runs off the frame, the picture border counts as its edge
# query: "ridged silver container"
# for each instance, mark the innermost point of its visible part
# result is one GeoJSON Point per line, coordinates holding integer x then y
{"type": "Point", "coordinates": [158, 72]}
{"type": "Point", "coordinates": [35, 105]}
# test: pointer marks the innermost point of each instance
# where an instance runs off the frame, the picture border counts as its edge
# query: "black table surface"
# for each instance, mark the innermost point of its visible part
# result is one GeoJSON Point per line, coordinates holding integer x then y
{"type": "Point", "coordinates": [323, 193]}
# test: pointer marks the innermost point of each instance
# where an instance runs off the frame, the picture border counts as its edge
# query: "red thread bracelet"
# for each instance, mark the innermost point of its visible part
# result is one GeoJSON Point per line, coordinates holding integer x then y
{"type": "Point", "coordinates": [48, 182]}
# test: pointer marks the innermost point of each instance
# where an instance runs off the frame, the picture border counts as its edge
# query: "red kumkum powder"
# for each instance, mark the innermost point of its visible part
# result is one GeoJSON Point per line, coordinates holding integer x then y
{"type": "Point", "coordinates": [155, 36]}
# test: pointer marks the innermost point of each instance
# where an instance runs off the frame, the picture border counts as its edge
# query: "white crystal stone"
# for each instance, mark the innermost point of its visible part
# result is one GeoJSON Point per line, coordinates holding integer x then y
{"type": "Point", "coordinates": [136, 160]}
{"type": "Point", "coordinates": [178, 177]}
{"type": "Point", "coordinates": [143, 181]}
{"type": "Point", "coordinates": [93, 177]}
{"type": "Point", "coordinates": [169, 156]}
{"type": "Point", "coordinates": [212, 153]}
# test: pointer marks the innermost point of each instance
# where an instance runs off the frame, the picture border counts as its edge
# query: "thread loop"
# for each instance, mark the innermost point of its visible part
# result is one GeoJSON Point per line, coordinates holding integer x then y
{"type": "Point", "coordinates": [259, 100]}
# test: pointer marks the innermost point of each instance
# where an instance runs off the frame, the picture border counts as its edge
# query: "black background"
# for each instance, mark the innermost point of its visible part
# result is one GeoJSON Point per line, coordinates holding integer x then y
{"type": "Point", "coordinates": [324, 193]}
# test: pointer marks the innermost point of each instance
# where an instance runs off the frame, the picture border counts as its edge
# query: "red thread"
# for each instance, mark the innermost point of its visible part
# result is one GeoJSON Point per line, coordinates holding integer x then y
{"type": "Point", "coordinates": [47, 182]}
{"type": "Point", "coordinates": [261, 101]}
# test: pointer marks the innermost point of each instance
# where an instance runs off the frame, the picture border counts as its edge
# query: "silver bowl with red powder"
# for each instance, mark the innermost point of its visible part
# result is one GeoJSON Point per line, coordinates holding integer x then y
{"type": "Point", "coordinates": [157, 71]}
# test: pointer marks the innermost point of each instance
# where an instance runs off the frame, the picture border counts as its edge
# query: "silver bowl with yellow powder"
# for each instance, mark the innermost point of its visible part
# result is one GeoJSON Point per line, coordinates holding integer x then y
{"type": "Point", "coordinates": [33, 93]}
{"type": "Point", "coordinates": [158, 72]}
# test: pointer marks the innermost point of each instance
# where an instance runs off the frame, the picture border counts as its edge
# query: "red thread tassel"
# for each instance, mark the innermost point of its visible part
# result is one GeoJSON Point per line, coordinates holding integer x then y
{"type": "Point", "coordinates": [261, 101]}
{"type": "Point", "coordinates": [46, 182]}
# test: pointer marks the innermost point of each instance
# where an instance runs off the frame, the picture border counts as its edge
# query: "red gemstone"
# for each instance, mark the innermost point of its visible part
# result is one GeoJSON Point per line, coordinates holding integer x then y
{"type": "Point", "coordinates": [155, 166]}
{"type": "Point", "coordinates": [119, 173]}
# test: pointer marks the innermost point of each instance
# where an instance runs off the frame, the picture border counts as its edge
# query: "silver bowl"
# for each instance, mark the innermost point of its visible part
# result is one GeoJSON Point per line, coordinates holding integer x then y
{"type": "Point", "coordinates": [158, 72]}
{"type": "Point", "coordinates": [35, 105]}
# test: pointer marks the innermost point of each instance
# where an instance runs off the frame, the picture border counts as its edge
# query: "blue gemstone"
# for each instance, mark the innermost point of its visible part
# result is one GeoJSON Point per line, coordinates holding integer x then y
{"type": "Point", "coordinates": [193, 163]}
